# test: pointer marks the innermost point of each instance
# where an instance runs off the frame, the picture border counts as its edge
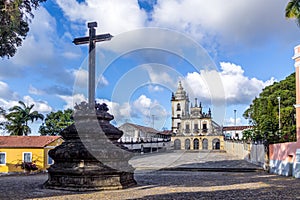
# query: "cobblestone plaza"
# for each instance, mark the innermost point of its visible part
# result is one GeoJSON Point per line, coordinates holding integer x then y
{"type": "Point", "coordinates": [173, 175]}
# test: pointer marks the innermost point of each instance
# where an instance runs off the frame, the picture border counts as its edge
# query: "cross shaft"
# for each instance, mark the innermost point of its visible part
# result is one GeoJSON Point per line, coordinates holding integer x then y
{"type": "Point", "coordinates": [91, 40]}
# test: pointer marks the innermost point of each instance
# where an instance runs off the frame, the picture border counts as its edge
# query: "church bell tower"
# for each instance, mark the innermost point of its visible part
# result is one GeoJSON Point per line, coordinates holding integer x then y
{"type": "Point", "coordinates": [180, 107]}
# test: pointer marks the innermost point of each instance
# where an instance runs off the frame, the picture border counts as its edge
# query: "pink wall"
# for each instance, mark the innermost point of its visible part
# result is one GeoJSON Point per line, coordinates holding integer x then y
{"type": "Point", "coordinates": [283, 151]}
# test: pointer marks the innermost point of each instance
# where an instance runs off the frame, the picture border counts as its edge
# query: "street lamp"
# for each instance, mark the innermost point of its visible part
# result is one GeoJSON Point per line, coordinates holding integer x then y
{"type": "Point", "coordinates": [279, 124]}
{"type": "Point", "coordinates": [234, 123]}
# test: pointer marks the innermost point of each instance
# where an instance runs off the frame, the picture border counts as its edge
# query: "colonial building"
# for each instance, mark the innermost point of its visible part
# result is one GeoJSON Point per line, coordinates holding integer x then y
{"type": "Point", "coordinates": [138, 133]}
{"type": "Point", "coordinates": [16, 151]}
{"type": "Point", "coordinates": [144, 139]}
{"type": "Point", "coordinates": [192, 127]}
{"type": "Point", "coordinates": [234, 132]}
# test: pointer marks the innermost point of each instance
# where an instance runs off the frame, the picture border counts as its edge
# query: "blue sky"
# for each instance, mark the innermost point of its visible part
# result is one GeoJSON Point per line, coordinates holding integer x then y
{"type": "Point", "coordinates": [241, 45]}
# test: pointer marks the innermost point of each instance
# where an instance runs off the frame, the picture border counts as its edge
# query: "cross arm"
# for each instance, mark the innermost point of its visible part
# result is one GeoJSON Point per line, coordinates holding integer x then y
{"type": "Point", "coordinates": [97, 38]}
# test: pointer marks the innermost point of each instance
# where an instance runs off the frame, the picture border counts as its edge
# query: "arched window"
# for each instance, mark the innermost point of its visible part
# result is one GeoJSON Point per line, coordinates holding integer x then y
{"type": "Point", "coordinates": [178, 107]}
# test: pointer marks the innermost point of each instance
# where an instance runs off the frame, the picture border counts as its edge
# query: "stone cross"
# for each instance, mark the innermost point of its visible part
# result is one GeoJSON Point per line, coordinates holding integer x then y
{"type": "Point", "coordinates": [92, 39]}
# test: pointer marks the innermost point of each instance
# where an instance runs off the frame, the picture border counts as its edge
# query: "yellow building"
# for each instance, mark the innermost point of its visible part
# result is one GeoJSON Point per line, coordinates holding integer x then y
{"type": "Point", "coordinates": [193, 129]}
{"type": "Point", "coordinates": [18, 150]}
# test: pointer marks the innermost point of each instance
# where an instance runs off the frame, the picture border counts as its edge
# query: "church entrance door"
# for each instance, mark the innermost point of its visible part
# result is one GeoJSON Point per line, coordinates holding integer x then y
{"type": "Point", "coordinates": [177, 144]}
{"type": "Point", "coordinates": [187, 144]}
{"type": "Point", "coordinates": [205, 144]}
{"type": "Point", "coordinates": [196, 144]}
{"type": "Point", "coordinates": [216, 143]}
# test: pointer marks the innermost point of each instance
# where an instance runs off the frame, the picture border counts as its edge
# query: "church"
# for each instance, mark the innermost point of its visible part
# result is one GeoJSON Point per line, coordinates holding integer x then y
{"type": "Point", "coordinates": [193, 129]}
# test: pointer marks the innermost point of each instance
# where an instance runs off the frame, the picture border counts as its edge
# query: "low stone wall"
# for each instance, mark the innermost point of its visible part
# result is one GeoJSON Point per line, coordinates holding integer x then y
{"type": "Point", "coordinates": [254, 153]}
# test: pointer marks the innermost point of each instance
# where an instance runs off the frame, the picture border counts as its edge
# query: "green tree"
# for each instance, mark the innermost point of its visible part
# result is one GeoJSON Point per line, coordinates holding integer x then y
{"type": "Point", "coordinates": [264, 112]}
{"type": "Point", "coordinates": [15, 16]}
{"type": "Point", "coordinates": [18, 118]}
{"type": "Point", "coordinates": [55, 122]}
{"type": "Point", "coordinates": [292, 10]}
{"type": "Point", "coordinates": [2, 123]}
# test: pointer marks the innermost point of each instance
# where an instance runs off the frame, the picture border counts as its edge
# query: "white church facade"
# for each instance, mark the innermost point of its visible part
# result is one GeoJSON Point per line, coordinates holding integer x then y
{"type": "Point", "coordinates": [192, 128]}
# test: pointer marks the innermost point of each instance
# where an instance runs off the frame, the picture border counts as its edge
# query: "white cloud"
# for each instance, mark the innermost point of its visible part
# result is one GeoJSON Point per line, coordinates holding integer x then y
{"type": "Point", "coordinates": [139, 111]}
{"type": "Point", "coordinates": [238, 88]}
{"type": "Point", "coordinates": [114, 16]}
{"type": "Point", "coordinates": [155, 88]}
{"type": "Point", "coordinates": [6, 92]}
{"type": "Point", "coordinates": [40, 106]}
{"type": "Point", "coordinates": [148, 110]}
{"type": "Point", "coordinates": [121, 112]}
{"type": "Point", "coordinates": [247, 22]}
{"type": "Point", "coordinates": [71, 101]}
{"type": "Point", "coordinates": [160, 74]}
{"type": "Point", "coordinates": [142, 104]}
{"type": "Point", "coordinates": [102, 81]}
{"type": "Point", "coordinates": [35, 91]}
{"type": "Point", "coordinates": [232, 122]}
{"type": "Point", "coordinates": [39, 44]}
{"type": "Point", "coordinates": [81, 79]}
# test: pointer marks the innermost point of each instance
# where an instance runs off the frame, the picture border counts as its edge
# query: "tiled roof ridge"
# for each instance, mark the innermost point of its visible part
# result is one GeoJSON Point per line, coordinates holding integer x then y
{"type": "Point", "coordinates": [27, 141]}
{"type": "Point", "coordinates": [242, 127]}
{"type": "Point", "coordinates": [143, 128]}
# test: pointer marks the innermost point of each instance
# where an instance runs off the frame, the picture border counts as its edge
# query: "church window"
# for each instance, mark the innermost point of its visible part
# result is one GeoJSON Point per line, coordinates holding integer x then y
{"type": "Point", "coordinates": [178, 115]}
{"type": "Point", "coordinates": [196, 126]}
{"type": "Point", "coordinates": [204, 127]}
{"type": "Point", "coordinates": [178, 107]}
{"type": "Point", "coordinates": [187, 128]}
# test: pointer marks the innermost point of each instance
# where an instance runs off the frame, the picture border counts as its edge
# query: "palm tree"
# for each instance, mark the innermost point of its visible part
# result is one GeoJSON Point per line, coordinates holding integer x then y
{"type": "Point", "coordinates": [18, 119]}
{"type": "Point", "coordinates": [292, 10]}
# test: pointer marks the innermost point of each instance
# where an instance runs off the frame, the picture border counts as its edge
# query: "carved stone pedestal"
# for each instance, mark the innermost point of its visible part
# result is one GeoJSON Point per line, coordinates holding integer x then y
{"type": "Point", "coordinates": [90, 157]}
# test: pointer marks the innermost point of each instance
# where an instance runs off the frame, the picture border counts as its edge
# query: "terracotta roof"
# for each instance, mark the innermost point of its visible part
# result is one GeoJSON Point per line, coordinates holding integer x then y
{"type": "Point", "coordinates": [26, 141]}
{"type": "Point", "coordinates": [235, 128]}
{"type": "Point", "coordinates": [166, 132]}
{"type": "Point", "coordinates": [143, 128]}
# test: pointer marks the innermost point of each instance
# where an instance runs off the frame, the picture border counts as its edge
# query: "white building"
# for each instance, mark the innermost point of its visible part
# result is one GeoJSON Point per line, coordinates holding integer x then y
{"type": "Point", "coordinates": [137, 133]}
{"type": "Point", "coordinates": [234, 132]}
{"type": "Point", "coordinates": [192, 127]}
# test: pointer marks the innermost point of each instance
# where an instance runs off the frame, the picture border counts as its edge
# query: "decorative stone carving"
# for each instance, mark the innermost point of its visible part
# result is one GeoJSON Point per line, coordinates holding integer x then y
{"type": "Point", "coordinates": [90, 158]}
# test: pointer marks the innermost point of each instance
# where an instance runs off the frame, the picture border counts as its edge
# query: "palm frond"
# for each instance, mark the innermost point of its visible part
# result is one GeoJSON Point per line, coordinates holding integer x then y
{"type": "Point", "coordinates": [292, 9]}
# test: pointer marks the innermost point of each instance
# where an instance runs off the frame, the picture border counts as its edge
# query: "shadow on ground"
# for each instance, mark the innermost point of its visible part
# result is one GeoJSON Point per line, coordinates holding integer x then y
{"type": "Point", "coordinates": [167, 185]}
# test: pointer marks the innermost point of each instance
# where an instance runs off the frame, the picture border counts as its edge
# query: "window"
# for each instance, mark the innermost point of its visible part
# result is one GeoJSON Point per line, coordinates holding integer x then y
{"type": "Point", "coordinates": [27, 157]}
{"type": "Point", "coordinates": [178, 107]}
{"type": "Point", "coordinates": [196, 126]}
{"type": "Point", "coordinates": [178, 115]}
{"type": "Point", "coordinates": [187, 128]}
{"type": "Point", "coordinates": [2, 158]}
{"type": "Point", "coordinates": [50, 160]}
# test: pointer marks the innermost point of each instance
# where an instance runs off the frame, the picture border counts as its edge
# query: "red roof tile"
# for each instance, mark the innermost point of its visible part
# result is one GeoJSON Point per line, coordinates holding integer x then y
{"type": "Point", "coordinates": [235, 128]}
{"type": "Point", "coordinates": [26, 141]}
{"type": "Point", "coordinates": [143, 128]}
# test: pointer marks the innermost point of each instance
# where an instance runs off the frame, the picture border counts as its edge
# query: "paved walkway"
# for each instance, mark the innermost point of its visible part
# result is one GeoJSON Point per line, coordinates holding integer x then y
{"type": "Point", "coordinates": [188, 160]}
{"type": "Point", "coordinates": [157, 184]}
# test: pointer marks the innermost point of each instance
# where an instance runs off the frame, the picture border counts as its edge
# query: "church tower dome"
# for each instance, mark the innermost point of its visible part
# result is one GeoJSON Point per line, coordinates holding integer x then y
{"type": "Point", "coordinates": [180, 93]}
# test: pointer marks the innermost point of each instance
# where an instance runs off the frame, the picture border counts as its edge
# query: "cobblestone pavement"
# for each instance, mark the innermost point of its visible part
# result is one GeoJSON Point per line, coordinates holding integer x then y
{"type": "Point", "coordinates": [155, 184]}
{"type": "Point", "coordinates": [190, 159]}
